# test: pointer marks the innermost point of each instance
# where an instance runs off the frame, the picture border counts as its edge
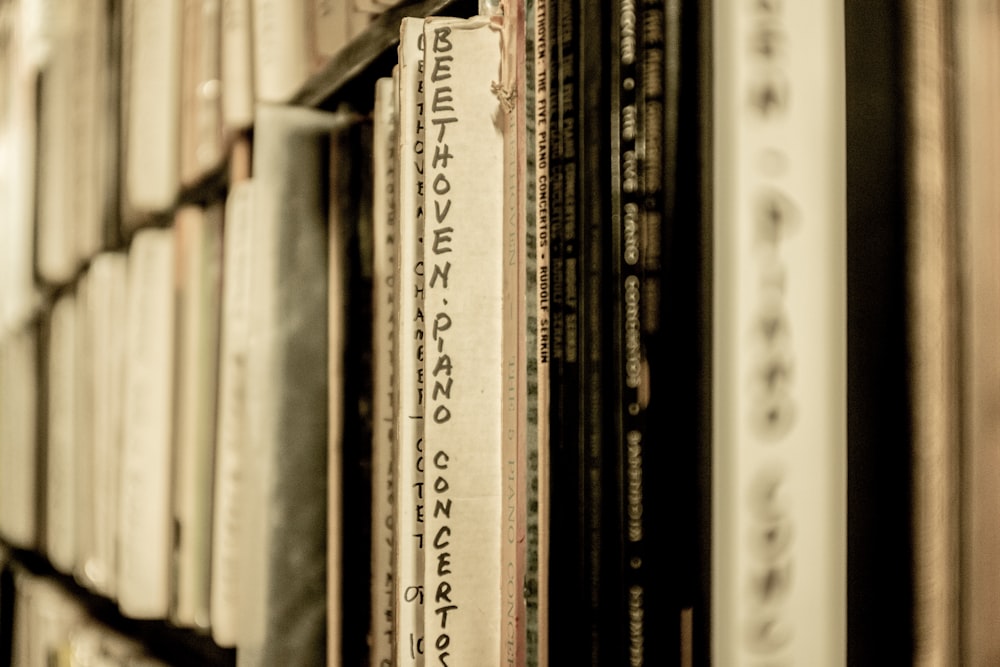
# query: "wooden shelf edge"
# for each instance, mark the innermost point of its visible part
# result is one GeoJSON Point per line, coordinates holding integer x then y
{"type": "Point", "coordinates": [172, 644]}
{"type": "Point", "coordinates": [361, 53]}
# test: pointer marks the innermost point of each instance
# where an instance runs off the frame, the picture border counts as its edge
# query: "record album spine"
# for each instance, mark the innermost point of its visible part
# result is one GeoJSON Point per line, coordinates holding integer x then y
{"type": "Point", "coordinates": [410, 505]}
{"type": "Point", "coordinates": [566, 587]}
{"type": "Point", "coordinates": [779, 346]}
{"type": "Point", "coordinates": [464, 364]}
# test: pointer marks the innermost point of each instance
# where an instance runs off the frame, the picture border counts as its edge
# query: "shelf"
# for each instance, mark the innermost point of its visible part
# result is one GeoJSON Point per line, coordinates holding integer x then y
{"type": "Point", "coordinates": [177, 646]}
{"type": "Point", "coordinates": [359, 62]}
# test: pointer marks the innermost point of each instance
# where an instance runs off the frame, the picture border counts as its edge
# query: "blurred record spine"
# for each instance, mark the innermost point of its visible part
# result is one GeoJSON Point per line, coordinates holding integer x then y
{"type": "Point", "coordinates": [779, 388]}
{"type": "Point", "coordinates": [384, 334]}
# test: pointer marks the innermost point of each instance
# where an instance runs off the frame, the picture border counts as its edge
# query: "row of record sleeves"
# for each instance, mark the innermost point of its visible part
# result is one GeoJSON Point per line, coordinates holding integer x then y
{"type": "Point", "coordinates": [113, 110]}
